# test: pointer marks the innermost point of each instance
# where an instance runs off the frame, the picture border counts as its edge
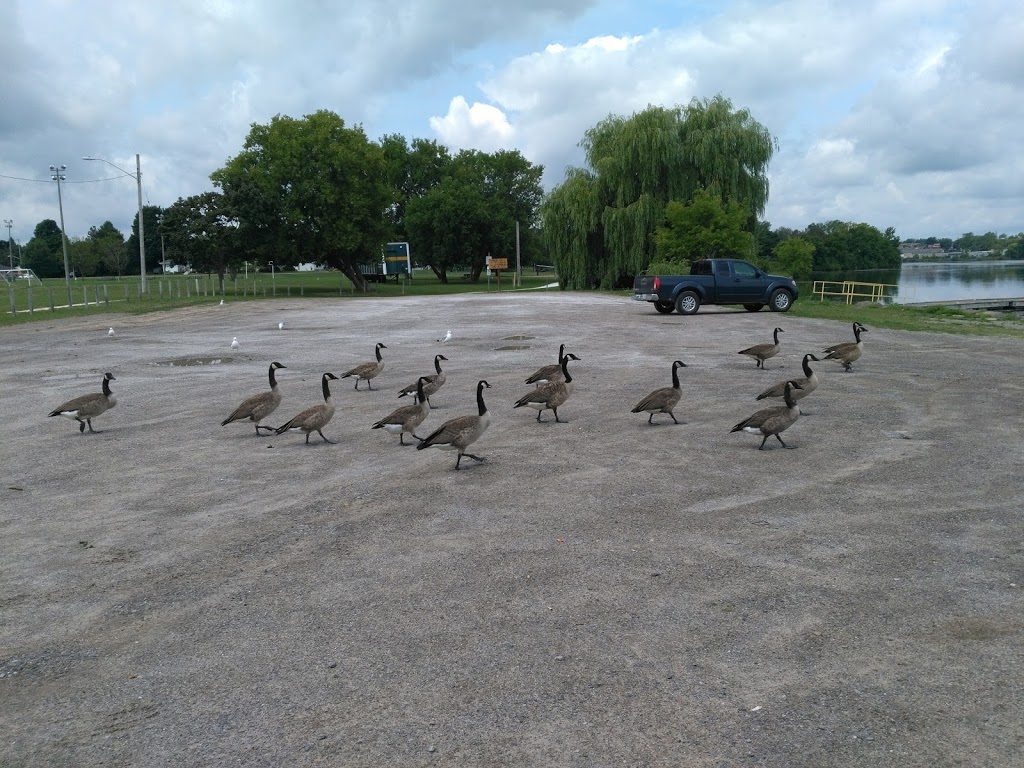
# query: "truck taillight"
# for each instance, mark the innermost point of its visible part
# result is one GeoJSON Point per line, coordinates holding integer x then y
{"type": "Point", "coordinates": [657, 283]}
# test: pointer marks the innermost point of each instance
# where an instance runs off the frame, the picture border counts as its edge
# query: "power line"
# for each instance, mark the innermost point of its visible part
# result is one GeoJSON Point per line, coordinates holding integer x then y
{"type": "Point", "coordinates": [47, 181]}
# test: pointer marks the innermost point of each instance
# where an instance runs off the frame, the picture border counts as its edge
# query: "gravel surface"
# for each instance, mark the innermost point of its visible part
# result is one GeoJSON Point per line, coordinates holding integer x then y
{"type": "Point", "coordinates": [597, 593]}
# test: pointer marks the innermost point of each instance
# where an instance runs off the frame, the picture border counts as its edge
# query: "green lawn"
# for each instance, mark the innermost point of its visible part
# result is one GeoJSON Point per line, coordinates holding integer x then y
{"type": "Point", "coordinates": [90, 295]}
{"type": "Point", "coordinates": [171, 291]}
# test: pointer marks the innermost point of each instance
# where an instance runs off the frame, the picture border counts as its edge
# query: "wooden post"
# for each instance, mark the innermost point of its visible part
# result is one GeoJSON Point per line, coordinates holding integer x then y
{"type": "Point", "coordinates": [14, 311]}
{"type": "Point", "coordinates": [50, 291]}
{"type": "Point", "coordinates": [106, 295]}
{"type": "Point", "coordinates": [30, 306]}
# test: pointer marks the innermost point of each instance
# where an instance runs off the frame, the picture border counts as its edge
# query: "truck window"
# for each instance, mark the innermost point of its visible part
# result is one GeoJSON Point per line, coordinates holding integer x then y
{"type": "Point", "coordinates": [701, 268]}
{"type": "Point", "coordinates": [744, 270]}
{"type": "Point", "coordinates": [723, 269]}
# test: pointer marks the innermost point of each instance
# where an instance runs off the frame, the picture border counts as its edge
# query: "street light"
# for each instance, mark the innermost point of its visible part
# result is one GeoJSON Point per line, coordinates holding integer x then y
{"type": "Point", "coordinates": [57, 174]}
{"type": "Point", "coordinates": [142, 229]}
{"type": "Point", "coordinates": [10, 243]}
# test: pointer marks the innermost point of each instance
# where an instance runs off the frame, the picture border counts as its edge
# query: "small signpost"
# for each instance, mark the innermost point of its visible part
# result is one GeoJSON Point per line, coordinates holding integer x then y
{"type": "Point", "coordinates": [497, 265]}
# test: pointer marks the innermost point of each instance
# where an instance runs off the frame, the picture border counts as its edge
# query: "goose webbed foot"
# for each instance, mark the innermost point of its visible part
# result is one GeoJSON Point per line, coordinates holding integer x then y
{"type": "Point", "coordinates": [332, 442]}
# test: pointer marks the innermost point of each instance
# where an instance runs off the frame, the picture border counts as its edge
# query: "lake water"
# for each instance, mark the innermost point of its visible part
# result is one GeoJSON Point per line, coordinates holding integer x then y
{"type": "Point", "coordinates": [930, 281]}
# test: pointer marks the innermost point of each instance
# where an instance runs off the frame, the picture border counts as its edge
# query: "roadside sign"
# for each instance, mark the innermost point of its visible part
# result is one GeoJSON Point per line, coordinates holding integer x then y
{"type": "Point", "coordinates": [497, 264]}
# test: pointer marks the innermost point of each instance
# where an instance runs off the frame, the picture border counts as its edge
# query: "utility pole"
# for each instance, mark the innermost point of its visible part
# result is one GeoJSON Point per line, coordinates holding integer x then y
{"type": "Point", "coordinates": [10, 243]}
{"type": "Point", "coordinates": [519, 263]}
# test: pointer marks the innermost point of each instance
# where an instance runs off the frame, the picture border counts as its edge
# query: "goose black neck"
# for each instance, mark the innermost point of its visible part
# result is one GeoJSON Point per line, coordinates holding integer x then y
{"type": "Point", "coordinates": [481, 407]}
{"type": "Point", "coordinates": [377, 350]}
{"type": "Point", "coordinates": [565, 369]}
{"type": "Point", "coordinates": [775, 335]}
{"type": "Point", "coordinates": [561, 352]}
{"type": "Point", "coordinates": [437, 363]}
{"type": "Point", "coordinates": [807, 366]}
{"type": "Point", "coordinates": [273, 380]}
{"type": "Point", "coordinates": [675, 376]}
{"type": "Point", "coordinates": [788, 394]}
{"type": "Point", "coordinates": [106, 386]}
{"type": "Point", "coordinates": [326, 387]}
{"type": "Point", "coordinates": [420, 397]}
{"type": "Point", "coordinates": [856, 332]}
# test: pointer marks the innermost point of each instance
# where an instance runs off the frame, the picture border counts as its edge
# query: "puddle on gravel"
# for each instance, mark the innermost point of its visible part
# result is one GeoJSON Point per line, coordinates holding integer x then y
{"type": "Point", "coordinates": [183, 362]}
{"type": "Point", "coordinates": [514, 347]}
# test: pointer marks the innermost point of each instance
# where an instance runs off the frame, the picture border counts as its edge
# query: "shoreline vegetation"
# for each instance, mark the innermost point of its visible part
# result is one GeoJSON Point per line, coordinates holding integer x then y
{"type": "Point", "coordinates": [110, 296]}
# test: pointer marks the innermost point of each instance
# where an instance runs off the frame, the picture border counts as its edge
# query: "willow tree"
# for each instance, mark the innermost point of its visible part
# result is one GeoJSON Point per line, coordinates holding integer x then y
{"type": "Point", "coordinates": [600, 222]}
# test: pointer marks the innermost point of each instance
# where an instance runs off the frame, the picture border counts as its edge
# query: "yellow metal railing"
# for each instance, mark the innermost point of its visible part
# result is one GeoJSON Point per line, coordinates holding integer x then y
{"type": "Point", "coordinates": [848, 290]}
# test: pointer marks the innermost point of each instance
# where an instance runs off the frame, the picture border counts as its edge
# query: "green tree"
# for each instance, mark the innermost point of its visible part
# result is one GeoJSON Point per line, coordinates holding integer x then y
{"type": "Point", "coordinates": [44, 253]}
{"type": "Point", "coordinates": [704, 228]}
{"type": "Point", "coordinates": [201, 233]}
{"type": "Point", "coordinates": [310, 189]}
{"type": "Point", "coordinates": [109, 251]}
{"type": "Point", "coordinates": [600, 222]}
{"type": "Point", "coordinates": [473, 212]}
{"type": "Point", "coordinates": [448, 226]}
{"type": "Point", "coordinates": [844, 246]}
{"type": "Point", "coordinates": [793, 256]}
{"type": "Point", "coordinates": [151, 214]}
{"type": "Point", "coordinates": [412, 170]}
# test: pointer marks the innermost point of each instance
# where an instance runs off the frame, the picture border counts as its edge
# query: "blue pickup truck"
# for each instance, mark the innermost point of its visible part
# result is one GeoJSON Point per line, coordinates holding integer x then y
{"type": "Point", "coordinates": [716, 281]}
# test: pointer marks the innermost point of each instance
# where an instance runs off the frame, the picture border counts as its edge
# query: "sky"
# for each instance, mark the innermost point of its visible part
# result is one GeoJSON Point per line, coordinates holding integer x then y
{"type": "Point", "coordinates": [898, 113]}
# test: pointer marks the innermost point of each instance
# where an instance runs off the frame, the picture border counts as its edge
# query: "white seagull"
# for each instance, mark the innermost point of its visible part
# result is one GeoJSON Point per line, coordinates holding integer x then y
{"type": "Point", "coordinates": [280, 326]}
{"type": "Point", "coordinates": [234, 343]}
{"type": "Point", "coordinates": [221, 303]}
{"type": "Point", "coordinates": [111, 331]}
{"type": "Point", "coordinates": [447, 337]}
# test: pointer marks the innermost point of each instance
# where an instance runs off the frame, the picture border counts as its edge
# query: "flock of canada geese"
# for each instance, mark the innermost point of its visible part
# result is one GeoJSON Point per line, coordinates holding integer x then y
{"type": "Point", "coordinates": [553, 385]}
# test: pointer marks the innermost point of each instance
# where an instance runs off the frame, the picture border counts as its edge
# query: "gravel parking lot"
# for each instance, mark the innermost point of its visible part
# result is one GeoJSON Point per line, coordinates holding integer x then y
{"type": "Point", "coordinates": [597, 593]}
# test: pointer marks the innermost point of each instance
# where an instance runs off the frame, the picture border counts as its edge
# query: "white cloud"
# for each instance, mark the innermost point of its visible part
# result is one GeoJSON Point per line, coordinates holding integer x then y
{"type": "Point", "coordinates": [480, 126]}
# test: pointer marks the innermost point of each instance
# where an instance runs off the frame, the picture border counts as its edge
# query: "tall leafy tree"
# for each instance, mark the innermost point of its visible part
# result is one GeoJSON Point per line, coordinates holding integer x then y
{"type": "Point", "coordinates": [201, 232]}
{"type": "Point", "coordinates": [314, 184]}
{"type": "Point", "coordinates": [44, 253]}
{"type": "Point", "coordinates": [108, 250]}
{"type": "Point", "coordinates": [412, 170]}
{"type": "Point", "coordinates": [473, 212]}
{"type": "Point", "coordinates": [151, 220]}
{"type": "Point", "coordinates": [602, 219]}
{"type": "Point", "coordinates": [793, 256]}
{"type": "Point", "coordinates": [448, 227]}
{"type": "Point", "coordinates": [843, 246]}
{"type": "Point", "coordinates": [704, 228]}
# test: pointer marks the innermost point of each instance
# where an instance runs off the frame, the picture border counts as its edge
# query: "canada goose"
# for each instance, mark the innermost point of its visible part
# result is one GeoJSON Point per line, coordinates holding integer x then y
{"type": "Point", "coordinates": [367, 371]}
{"type": "Point", "coordinates": [433, 382]}
{"type": "Point", "coordinates": [408, 417]}
{"type": "Point", "coordinates": [460, 433]}
{"type": "Point", "coordinates": [258, 407]}
{"type": "Point", "coordinates": [848, 352]}
{"type": "Point", "coordinates": [772, 421]}
{"type": "Point", "coordinates": [551, 372]}
{"type": "Point", "coordinates": [550, 395]}
{"type": "Point", "coordinates": [762, 352]}
{"type": "Point", "coordinates": [316, 417]}
{"type": "Point", "coordinates": [665, 399]}
{"type": "Point", "coordinates": [87, 407]}
{"type": "Point", "coordinates": [808, 383]}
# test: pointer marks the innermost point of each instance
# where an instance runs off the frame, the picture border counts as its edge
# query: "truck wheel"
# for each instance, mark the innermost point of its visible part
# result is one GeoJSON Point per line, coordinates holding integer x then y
{"type": "Point", "coordinates": [753, 307]}
{"type": "Point", "coordinates": [665, 307]}
{"type": "Point", "coordinates": [687, 303]}
{"type": "Point", "coordinates": [781, 300]}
